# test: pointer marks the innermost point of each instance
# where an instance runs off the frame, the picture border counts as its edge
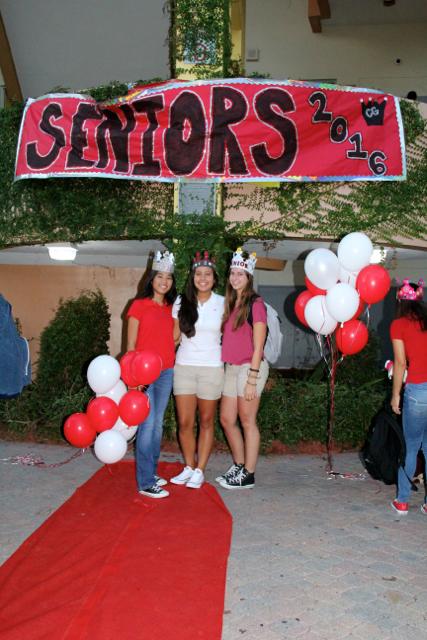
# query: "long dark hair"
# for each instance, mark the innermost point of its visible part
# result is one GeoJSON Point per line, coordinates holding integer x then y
{"type": "Point", "coordinates": [413, 310]}
{"type": "Point", "coordinates": [247, 297]}
{"type": "Point", "coordinates": [148, 291]}
{"type": "Point", "coordinates": [188, 314]}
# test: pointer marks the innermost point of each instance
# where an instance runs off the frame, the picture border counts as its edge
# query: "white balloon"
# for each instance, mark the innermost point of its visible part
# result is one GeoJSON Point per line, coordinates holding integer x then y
{"type": "Point", "coordinates": [126, 431]}
{"type": "Point", "coordinates": [116, 393]}
{"type": "Point", "coordinates": [321, 266]}
{"type": "Point", "coordinates": [354, 251]}
{"type": "Point", "coordinates": [342, 301]}
{"type": "Point", "coordinates": [110, 446]}
{"type": "Point", "coordinates": [318, 317]}
{"type": "Point", "coordinates": [349, 277]}
{"type": "Point", "coordinates": [103, 374]}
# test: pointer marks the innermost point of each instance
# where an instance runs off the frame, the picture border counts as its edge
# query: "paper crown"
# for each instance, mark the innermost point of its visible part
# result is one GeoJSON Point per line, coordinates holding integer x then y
{"type": "Point", "coordinates": [239, 262]}
{"type": "Point", "coordinates": [203, 260]}
{"type": "Point", "coordinates": [164, 262]}
{"type": "Point", "coordinates": [407, 292]}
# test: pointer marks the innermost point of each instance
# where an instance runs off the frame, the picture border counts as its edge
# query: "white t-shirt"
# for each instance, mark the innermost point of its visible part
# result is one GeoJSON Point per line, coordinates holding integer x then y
{"type": "Point", "coordinates": [204, 348]}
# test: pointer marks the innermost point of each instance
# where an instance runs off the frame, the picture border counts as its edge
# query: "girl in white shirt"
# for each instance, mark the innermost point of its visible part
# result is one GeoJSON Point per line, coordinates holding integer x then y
{"type": "Point", "coordinates": [199, 371]}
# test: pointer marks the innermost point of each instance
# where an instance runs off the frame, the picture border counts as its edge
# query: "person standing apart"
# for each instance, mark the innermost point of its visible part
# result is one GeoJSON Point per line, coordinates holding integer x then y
{"type": "Point", "coordinates": [150, 327]}
{"type": "Point", "coordinates": [409, 338]}
{"type": "Point", "coordinates": [246, 372]}
{"type": "Point", "coordinates": [199, 371]}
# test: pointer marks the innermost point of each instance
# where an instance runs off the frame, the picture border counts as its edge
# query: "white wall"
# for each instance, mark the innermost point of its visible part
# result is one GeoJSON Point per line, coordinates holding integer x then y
{"type": "Point", "coordinates": [79, 44]}
{"type": "Point", "coordinates": [362, 53]}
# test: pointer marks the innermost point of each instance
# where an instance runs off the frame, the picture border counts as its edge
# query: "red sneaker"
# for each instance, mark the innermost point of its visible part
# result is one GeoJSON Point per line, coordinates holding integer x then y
{"type": "Point", "coordinates": [400, 507]}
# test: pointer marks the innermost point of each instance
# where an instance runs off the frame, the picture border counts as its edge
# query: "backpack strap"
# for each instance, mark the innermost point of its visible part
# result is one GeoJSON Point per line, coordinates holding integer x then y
{"type": "Point", "coordinates": [251, 304]}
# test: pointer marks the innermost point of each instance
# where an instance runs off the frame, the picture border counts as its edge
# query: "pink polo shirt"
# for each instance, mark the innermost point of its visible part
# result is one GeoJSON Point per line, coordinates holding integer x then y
{"type": "Point", "coordinates": [237, 345]}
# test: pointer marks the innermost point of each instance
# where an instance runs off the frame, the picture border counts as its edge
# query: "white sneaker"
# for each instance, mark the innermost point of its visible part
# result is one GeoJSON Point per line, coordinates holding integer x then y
{"type": "Point", "coordinates": [160, 481]}
{"type": "Point", "coordinates": [196, 480]}
{"type": "Point", "coordinates": [183, 477]}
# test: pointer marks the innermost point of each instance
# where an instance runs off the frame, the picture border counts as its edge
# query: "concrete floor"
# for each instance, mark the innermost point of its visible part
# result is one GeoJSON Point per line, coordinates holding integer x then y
{"type": "Point", "coordinates": [312, 558]}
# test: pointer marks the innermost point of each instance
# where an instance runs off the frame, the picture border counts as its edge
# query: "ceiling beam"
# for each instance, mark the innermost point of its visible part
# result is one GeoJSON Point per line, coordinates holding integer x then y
{"type": "Point", "coordinates": [12, 86]}
{"type": "Point", "coordinates": [318, 10]}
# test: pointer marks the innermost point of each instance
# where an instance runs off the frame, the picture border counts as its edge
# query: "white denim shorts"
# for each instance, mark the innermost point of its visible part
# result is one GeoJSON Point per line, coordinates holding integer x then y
{"type": "Point", "coordinates": [236, 376]}
{"type": "Point", "coordinates": [204, 382]}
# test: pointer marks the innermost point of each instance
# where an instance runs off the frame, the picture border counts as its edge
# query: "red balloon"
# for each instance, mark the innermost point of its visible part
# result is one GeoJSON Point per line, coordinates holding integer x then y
{"type": "Point", "coordinates": [134, 407]}
{"type": "Point", "coordinates": [315, 291]}
{"type": "Point", "coordinates": [79, 431]}
{"type": "Point", "coordinates": [299, 306]}
{"type": "Point", "coordinates": [125, 367]}
{"type": "Point", "coordinates": [145, 367]}
{"type": "Point", "coordinates": [373, 283]}
{"type": "Point", "coordinates": [102, 413]}
{"type": "Point", "coordinates": [351, 337]}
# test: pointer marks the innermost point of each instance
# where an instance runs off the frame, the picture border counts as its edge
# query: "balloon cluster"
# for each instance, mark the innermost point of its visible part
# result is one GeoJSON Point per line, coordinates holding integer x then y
{"type": "Point", "coordinates": [338, 288]}
{"type": "Point", "coordinates": [113, 415]}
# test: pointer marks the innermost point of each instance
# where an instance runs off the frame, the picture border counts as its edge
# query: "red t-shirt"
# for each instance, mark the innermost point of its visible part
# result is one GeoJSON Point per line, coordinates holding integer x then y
{"type": "Point", "coordinates": [237, 345]}
{"type": "Point", "coordinates": [415, 341]}
{"type": "Point", "coordinates": [155, 329]}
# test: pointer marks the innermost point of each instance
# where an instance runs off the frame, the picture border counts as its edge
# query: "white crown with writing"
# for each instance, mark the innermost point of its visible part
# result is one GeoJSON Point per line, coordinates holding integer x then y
{"type": "Point", "coordinates": [239, 262]}
{"type": "Point", "coordinates": [164, 262]}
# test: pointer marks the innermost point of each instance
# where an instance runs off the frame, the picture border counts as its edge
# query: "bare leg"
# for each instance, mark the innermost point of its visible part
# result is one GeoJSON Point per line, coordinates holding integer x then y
{"type": "Point", "coordinates": [207, 409]}
{"type": "Point", "coordinates": [228, 417]}
{"type": "Point", "coordinates": [186, 406]}
{"type": "Point", "coordinates": [248, 410]}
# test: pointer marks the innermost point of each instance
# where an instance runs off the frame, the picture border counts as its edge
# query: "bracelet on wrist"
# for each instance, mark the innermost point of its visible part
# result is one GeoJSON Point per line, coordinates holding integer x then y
{"type": "Point", "coordinates": [256, 370]}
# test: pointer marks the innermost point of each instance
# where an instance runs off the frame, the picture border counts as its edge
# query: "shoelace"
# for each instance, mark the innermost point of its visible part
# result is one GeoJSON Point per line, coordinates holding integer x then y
{"type": "Point", "coordinates": [238, 477]}
{"type": "Point", "coordinates": [234, 470]}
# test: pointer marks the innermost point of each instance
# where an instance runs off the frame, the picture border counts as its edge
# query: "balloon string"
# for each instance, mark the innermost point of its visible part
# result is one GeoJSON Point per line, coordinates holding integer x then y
{"type": "Point", "coordinates": [319, 339]}
{"type": "Point", "coordinates": [332, 379]}
{"type": "Point", "coordinates": [35, 461]}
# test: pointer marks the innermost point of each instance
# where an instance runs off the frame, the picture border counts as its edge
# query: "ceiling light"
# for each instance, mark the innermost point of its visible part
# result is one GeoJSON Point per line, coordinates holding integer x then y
{"type": "Point", "coordinates": [379, 254]}
{"type": "Point", "coordinates": [62, 251]}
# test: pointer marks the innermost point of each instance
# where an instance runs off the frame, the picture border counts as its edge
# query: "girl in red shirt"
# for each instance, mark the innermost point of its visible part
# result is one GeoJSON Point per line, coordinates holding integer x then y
{"type": "Point", "coordinates": [150, 327]}
{"type": "Point", "coordinates": [409, 338]}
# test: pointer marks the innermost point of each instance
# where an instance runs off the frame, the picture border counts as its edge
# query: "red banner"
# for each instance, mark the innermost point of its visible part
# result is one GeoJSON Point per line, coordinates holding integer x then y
{"type": "Point", "coordinates": [214, 130]}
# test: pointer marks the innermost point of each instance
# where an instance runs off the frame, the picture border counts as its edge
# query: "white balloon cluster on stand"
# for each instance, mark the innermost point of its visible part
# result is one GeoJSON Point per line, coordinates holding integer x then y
{"type": "Point", "coordinates": [338, 287]}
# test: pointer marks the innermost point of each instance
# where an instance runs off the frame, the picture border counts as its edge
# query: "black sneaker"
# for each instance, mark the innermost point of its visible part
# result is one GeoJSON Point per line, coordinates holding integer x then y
{"type": "Point", "coordinates": [235, 468]}
{"type": "Point", "coordinates": [154, 492]}
{"type": "Point", "coordinates": [243, 479]}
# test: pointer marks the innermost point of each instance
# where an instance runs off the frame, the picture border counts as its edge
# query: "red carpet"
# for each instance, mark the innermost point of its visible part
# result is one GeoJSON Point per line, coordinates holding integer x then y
{"type": "Point", "coordinates": [110, 564]}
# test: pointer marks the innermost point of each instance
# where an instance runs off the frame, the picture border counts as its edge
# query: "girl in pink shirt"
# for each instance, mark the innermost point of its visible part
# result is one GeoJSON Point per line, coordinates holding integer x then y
{"type": "Point", "coordinates": [246, 371]}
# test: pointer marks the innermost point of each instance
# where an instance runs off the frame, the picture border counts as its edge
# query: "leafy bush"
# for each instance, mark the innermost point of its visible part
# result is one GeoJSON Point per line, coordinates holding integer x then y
{"type": "Point", "coordinates": [294, 411]}
{"type": "Point", "coordinates": [77, 334]}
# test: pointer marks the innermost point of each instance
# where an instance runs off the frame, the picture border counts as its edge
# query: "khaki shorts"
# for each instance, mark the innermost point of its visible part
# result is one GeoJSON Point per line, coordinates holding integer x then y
{"type": "Point", "coordinates": [204, 382]}
{"type": "Point", "coordinates": [236, 376]}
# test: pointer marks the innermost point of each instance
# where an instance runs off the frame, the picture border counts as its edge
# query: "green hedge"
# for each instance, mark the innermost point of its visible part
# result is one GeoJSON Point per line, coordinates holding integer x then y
{"type": "Point", "coordinates": [78, 333]}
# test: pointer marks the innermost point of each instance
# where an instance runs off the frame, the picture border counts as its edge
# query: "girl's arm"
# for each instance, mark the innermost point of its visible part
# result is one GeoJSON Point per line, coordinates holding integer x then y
{"type": "Point", "coordinates": [133, 325]}
{"type": "Point", "coordinates": [176, 331]}
{"type": "Point", "coordinates": [259, 335]}
{"type": "Point", "coordinates": [399, 366]}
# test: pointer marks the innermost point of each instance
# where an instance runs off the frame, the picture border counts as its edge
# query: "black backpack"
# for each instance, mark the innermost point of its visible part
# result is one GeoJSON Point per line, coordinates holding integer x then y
{"type": "Point", "coordinates": [384, 450]}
